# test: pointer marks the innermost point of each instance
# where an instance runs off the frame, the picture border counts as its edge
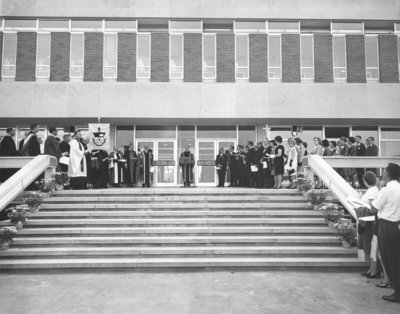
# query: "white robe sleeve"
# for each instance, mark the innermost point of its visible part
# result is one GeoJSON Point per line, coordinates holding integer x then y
{"type": "Point", "coordinates": [75, 158]}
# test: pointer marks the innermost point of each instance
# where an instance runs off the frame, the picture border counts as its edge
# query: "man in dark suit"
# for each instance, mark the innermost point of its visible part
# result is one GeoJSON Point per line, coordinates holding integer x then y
{"type": "Point", "coordinates": [65, 148]}
{"type": "Point", "coordinates": [31, 146]}
{"type": "Point", "coordinates": [258, 161]}
{"type": "Point", "coordinates": [232, 166]}
{"type": "Point", "coordinates": [360, 149]}
{"type": "Point", "coordinates": [371, 150]}
{"type": "Point", "coordinates": [251, 161]}
{"type": "Point", "coordinates": [8, 148]}
{"type": "Point", "coordinates": [51, 145]}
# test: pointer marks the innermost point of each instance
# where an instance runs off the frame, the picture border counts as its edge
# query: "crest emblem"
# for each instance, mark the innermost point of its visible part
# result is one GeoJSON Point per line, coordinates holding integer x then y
{"type": "Point", "coordinates": [99, 138]}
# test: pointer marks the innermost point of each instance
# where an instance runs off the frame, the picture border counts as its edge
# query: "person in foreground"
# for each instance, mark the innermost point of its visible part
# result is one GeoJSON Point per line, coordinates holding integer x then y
{"type": "Point", "coordinates": [387, 205]}
{"type": "Point", "coordinates": [77, 163]}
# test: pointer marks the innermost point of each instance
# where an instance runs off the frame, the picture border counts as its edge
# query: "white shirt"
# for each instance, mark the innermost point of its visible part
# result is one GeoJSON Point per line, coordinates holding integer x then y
{"type": "Point", "coordinates": [371, 194]}
{"type": "Point", "coordinates": [388, 202]}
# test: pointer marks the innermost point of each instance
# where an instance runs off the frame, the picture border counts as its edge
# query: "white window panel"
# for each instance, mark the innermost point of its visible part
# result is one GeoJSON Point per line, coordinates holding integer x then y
{"type": "Point", "coordinates": [209, 56]}
{"type": "Point", "coordinates": [274, 57]}
{"type": "Point", "coordinates": [1, 24]}
{"type": "Point", "coordinates": [86, 26]}
{"type": "Point", "coordinates": [20, 25]}
{"type": "Point", "coordinates": [9, 55]}
{"type": "Point", "coordinates": [339, 57]}
{"type": "Point", "coordinates": [242, 56]}
{"type": "Point", "coordinates": [121, 26]}
{"type": "Point", "coordinates": [307, 57]}
{"type": "Point", "coordinates": [143, 56]}
{"type": "Point", "coordinates": [284, 27]}
{"type": "Point", "coordinates": [347, 28]}
{"type": "Point", "coordinates": [176, 56]}
{"type": "Point", "coordinates": [53, 25]}
{"type": "Point", "coordinates": [43, 56]}
{"type": "Point", "coordinates": [185, 26]}
{"type": "Point", "coordinates": [250, 27]}
{"type": "Point", "coordinates": [398, 52]}
{"type": "Point", "coordinates": [371, 57]}
{"type": "Point", "coordinates": [110, 56]}
{"type": "Point", "coordinates": [77, 55]}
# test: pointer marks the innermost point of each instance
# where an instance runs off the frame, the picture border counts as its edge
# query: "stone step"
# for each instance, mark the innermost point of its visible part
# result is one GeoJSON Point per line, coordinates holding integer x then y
{"type": "Point", "coordinates": [176, 198]}
{"type": "Point", "coordinates": [172, 221]}
{"type": "Point", "coordinates": [51, 230]}
{"type": "Point", "coordinates": [149, 214]}
{"type": "Point", "coordinates": [148, 240]}
{"type": "Point", "coordinates": [212, 262]}
{"type": "Point", "coordinates": [180, 251]}
{"type": "Point", "coordinates": [174, 206]}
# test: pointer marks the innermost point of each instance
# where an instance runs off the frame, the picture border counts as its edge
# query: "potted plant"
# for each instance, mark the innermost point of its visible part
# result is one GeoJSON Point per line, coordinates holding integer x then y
{"type": "Point", "coordinates": [60, 178]}
{"type": "Point", "coordinates": [303, 185]}
{"type": "Point", "coordinates": [33, 200]}
{"type": "Point", "coordinates": [6, 237]}
{"type": "Point", "coordinates": [316, 197]}
{"type": "Point", "coordinates": [346, 232]}
{"type": "Point", "coordinates": [18, 215]}
{"type": "Point", "coordinates": [332, 213]}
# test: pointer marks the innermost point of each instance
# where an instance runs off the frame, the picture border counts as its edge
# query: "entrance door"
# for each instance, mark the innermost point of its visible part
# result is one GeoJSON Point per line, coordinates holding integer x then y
{"type": "Point", "coordinates": [165, 167]}
{"type": "Point", "coordinates": [206, 151]}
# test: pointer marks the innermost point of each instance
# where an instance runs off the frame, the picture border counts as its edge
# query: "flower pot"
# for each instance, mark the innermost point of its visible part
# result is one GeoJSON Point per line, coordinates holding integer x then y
{"type": "Point", "coordinates": [346, 244]}
{"type": "Point", "coordinates": [19, 225]}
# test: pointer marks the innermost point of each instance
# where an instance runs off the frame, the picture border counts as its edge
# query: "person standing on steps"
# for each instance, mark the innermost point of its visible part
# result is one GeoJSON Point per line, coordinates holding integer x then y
{"type": "Point", "coordinates": [8, 148]}
{"type": "Point", "coordinates": [77, 163]}
{"type": "Point", "coordinates": [220, 162]}
{"type": "Point", "coordinates": [147, 164]}
{"type": "Point", "coordinates": [187, 167]}
{"type": "Point", "coordinates": [279, 162]}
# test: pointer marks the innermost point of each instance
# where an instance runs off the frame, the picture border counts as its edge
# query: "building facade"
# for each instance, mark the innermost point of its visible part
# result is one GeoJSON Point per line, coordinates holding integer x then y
{"type": "Point", "coordinates": [201, 72]}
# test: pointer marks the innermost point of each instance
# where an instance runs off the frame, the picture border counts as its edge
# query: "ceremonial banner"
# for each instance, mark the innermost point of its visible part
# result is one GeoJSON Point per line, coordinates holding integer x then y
{"type": "Point", "coordinates": [99, 135]}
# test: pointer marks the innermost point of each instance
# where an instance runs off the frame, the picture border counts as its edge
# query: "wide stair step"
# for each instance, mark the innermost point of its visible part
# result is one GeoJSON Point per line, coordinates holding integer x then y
{"type": "Point", "coordinates": [177, 228]}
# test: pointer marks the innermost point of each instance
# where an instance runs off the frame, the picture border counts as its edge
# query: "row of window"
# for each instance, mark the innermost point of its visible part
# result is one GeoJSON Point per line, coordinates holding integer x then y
{"type": "Point", "coordinates": [143, 55]}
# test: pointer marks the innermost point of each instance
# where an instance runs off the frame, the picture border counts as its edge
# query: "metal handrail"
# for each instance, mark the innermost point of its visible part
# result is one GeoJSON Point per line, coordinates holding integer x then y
{"type": "Point", "coordinates": [33, 168]}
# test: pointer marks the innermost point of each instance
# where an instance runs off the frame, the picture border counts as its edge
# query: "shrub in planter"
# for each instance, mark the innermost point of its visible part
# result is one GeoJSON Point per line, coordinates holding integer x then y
{"type": "Point", "coordinates": [60, 179]}
{"type": "Point", "coordinates": [316, 197]}
{"type": "Point", "coordinates": [33, 200]}
{"type": "Point", "coordinates": [48, 187]}
{"type": "Point", "coordinates": [347, 233]}
{"type": "Point", "coordinates": [18, 215]}
{"type": "Point", "coordinates": [332, 213]}
{"type": "Point", "coordinates": [303, 185]}
{"type": "Point", "coordinates": [6, 237]}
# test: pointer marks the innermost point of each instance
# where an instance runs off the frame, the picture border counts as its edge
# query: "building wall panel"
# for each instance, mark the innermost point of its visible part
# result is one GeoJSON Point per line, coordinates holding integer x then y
{"type": "Point", "coordinates": [355, 55]}
{"type": "Point", "coordinates": [26, 56]}
{"type": "Point", "coordinates": [291, 58]}
{"type": "Point", "coordinates": [93, 67]}
{"type": "Point", "coordinates": [388, 59]}
{"type": "Point", "coordinates": [225, 58]}
{"type": "Point", "coordinates": [258, 57]}
{"type": "Point", "coordinates": [60, 57]}
{"type": "Point", "coordinates": [323, 62]}
{"type": "Point", "coordinates": [159, 57]}
{"type": "Point", "coordinates": [1, 52]}
{"type": "Point", "coordinates": [192, 67]}
{"type": "Point", "coordinates": [126, 57]}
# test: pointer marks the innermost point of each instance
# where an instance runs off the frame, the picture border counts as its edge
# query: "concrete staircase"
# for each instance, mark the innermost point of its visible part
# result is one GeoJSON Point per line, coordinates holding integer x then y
{"type": "Point", "coordinates": [175, 227]}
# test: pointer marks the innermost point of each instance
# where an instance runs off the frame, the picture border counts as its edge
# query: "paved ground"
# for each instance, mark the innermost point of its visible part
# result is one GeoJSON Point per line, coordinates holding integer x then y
{"type": "Point", "coordinates": [192, 292]}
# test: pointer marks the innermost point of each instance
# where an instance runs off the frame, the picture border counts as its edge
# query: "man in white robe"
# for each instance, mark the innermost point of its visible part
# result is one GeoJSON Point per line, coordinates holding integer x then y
{"type": "Point", "coordinates": [77, 163]}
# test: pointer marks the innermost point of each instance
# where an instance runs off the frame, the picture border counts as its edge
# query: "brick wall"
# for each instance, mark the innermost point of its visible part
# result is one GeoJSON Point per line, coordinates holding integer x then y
{"type": "Point", "coordinates": [388, 59]}
{"type": "Point", "coordinates": [60, 57]}
{"type": "Point", "coordinates": [225, 58]}
{"type": "Point", "coordinates": [126, 57]}
{"type": "Point", "coordinates": [258, 57]}
{"type": "Point", "coordinates": [355, 55]}
{"type": "Point", "coordinates": [93, 68]}
{"type": "Point", "coordinates": [159, 57]}
{"type": "Point", "coordinates": [1, 52]}
{"type": "Point", "coordinates": [192, 57]}
{"type": "Point", "coordinates": [291, 58]}
{"type": "Point", "coordinates": [323, 62]}
{"type": "Point", "coordinates": [26, 56]}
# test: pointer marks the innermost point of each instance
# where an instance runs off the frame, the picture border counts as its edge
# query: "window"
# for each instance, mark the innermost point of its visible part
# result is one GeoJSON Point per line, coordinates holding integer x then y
{"type": "Point", "coordinates": [185, 26]}
{"type": "Point", "coordinates": [347, 28]}
{"type": "Point", "coordinates": [176, 56]}
{"type": "Point", "coordinates": [209, 56]}
{"type": "Point", "coordinates": [9, 55]}
{"type": "Point", "coordinates": [284, 27]}
{"type": "Point", "coordinates": [20, 25]}
{"type": "Point", "coordinates": [339, 57]}
{"type": "Point", "coordinates": [274, 57]}
{"type": "Point", "coordinates": [110, 56]}
{"type": "Point", "coordinates": [43, 56]}
{"type": "Point", "coordinates": [398, 52]}
{"type": "Point", "coordinates": [121, 26]}
{"type": "Point", "coordinates": [307, 57]}
{"type": "Point", "coordinates": [250, 27]}
{"type": "Point", "coordinates": [54, 25]}
{"type": "Point", "coordinates": [242, 56]}
{"type": "Point", "coordinates": [390, 142]}
{"type": "Point", "coordinates": [1, 24]}
{"type": "Point", "coordinates": [371, 57]}
{"type": "Point", "coordinates": [85, 26]}
{"type": "Point", "coordinates": [143, 56]}
{"type": "Point", "coordinates": [77, 55]}
{"type": "Point", "coordinates": [336, 132]}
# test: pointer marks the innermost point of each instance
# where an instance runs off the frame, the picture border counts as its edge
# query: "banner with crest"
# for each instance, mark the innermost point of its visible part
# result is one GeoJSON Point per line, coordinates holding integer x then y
{"type": "Point", "coordinates": [99, 135]}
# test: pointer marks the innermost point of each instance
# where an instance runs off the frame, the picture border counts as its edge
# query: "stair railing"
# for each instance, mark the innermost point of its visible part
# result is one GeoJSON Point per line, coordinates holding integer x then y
{"type": "Point", "coordinates": [31, 169]}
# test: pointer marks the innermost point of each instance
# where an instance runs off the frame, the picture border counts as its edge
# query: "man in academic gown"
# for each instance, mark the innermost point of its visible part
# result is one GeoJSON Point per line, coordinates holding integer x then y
{"type": "Point", "coordinates": [52, 145]}
{"type": "Point", "coordinates": [116, 166]}
{"type": "Point", "coordinates": [31, 146]}
{"type": "Point", "coordinates": [146, 165]}
{"type": "Point", "coordinates": [251, 161]}
{"type": "Point", "coordinates": [102, 168]}
{"type": "Point", "coordinates": [187, 168]}
{"type": "Point", "coordinates": [241, 166]}
{"type": "Point", "coordinates": [258, 162]}
{"type": "Point", "coordinates": [132, 162]}
{"type": "Point", "coordinates": [269, 180]}
{"type": "Point", "coordinates": [8, 148]}
{"type": "Point", "coordinates": [77, 168]}
{"type": "Point", "coordinates": [233, 166]}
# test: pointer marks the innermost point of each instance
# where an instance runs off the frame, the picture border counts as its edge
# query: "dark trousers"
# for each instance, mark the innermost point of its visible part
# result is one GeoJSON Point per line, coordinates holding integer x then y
{"type": "Point", "coordinates": [233, 176]}
{"type": "Point", "coordinates": [389, 247]}
{"type": "Point", "coordinates": [242, 176]}
{"type": "Point", "coordinates": [221, 177]}
{"type": "Point", "coordinates": [260, 177]}
{"type": "Point", "coordinates": [360, 174]}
